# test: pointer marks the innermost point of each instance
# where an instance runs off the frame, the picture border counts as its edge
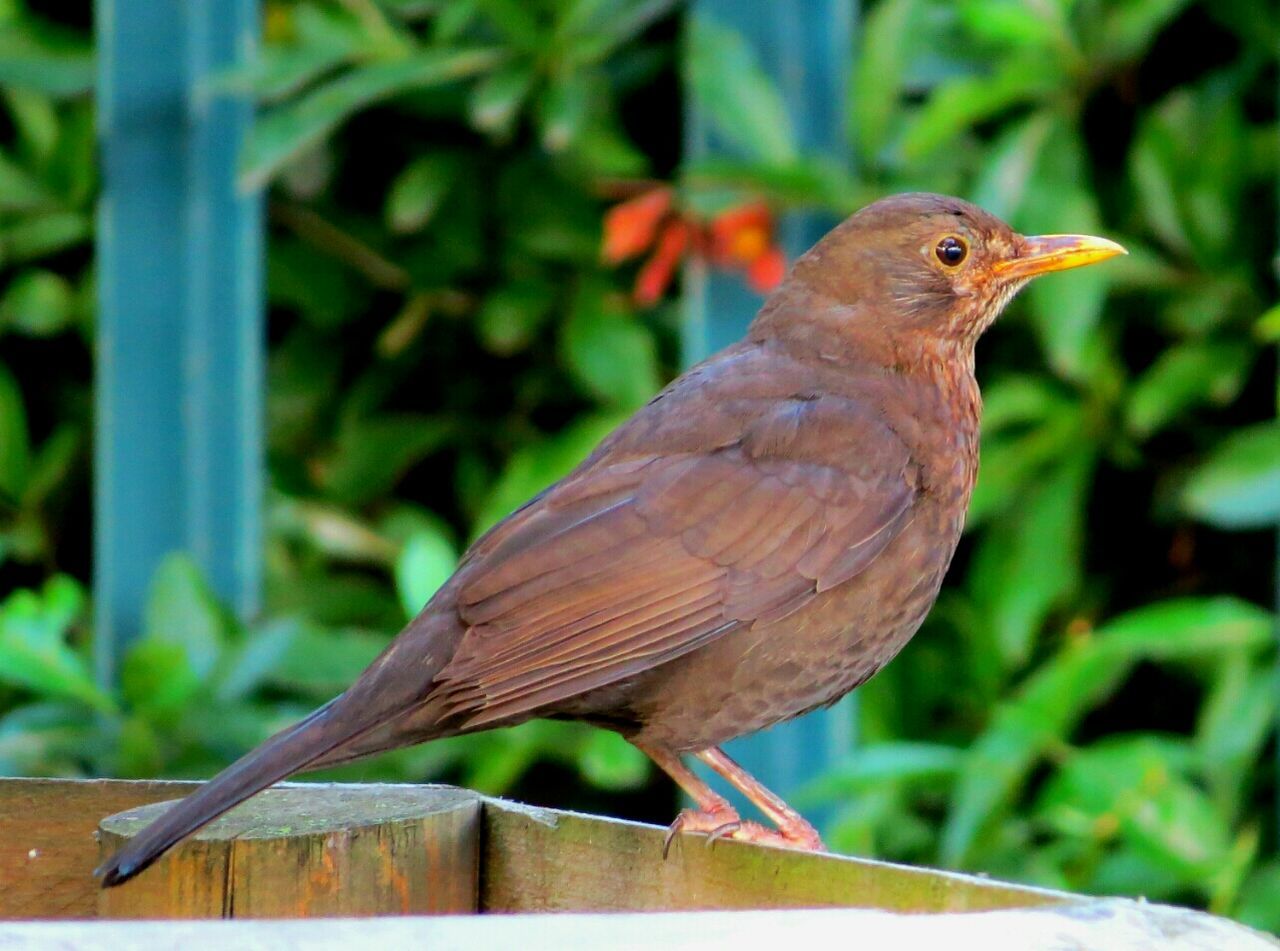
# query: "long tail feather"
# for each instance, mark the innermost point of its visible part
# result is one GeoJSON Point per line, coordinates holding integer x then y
{"type": "Point", "coordinates": [288, 752]}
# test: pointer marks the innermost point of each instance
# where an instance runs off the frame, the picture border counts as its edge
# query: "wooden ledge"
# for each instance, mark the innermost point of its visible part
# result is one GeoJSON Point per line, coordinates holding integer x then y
{"type": "Point", "coordinates": [340, 851]}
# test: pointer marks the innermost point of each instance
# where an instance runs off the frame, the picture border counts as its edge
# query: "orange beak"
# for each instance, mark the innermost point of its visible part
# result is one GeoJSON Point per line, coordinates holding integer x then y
{"type": "Point", "coordinates": [1056, 252]}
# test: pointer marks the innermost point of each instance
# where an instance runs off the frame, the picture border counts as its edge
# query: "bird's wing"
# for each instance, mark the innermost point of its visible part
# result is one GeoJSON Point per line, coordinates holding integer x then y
{"type": "Point", "coordinates": [640, 557]}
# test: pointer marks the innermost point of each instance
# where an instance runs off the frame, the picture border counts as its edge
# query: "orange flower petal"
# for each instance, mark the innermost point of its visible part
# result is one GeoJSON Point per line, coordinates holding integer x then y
{"type": "Point", "coordinates": [767, 271]}
{"type": "Point", "coordinates": [738, 232]}
{"type": "Point", "coordinates": [655, 276]}
{"type": "Point", "coordinates": [629, 227]}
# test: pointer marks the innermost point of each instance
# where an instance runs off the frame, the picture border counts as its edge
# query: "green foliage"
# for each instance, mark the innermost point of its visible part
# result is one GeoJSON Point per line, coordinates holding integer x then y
{"type": "Point", "coordinates": [1092, 703]}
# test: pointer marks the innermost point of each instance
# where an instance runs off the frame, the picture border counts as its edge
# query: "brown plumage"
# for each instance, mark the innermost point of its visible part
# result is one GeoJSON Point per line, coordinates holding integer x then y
{"type": "Point", "coordinates": [755, 542]}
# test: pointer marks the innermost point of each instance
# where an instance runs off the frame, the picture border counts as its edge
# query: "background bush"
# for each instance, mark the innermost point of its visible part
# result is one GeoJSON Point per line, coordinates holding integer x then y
{"type": "Point", "coordinates": [1092, 705]}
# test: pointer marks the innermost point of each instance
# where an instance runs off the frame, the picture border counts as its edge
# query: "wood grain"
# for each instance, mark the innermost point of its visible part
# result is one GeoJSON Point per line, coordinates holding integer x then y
{"type": "Point", "coordinates": [538, 860]}
{"type": "Point", "coordinates": [48, 846]}
{"type": "Point", "coordinates": [311, 851]}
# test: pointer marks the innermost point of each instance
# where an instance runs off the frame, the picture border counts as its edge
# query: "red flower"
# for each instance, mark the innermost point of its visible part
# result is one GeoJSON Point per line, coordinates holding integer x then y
{"type": "Point", "coordinates": [740, 238]}
{"type": "Point", "coordinates": [655, 276]}
{"type": "Point", "coordinates": [767, 271]}
{"type": "Point", "coordinates": [629, 228]}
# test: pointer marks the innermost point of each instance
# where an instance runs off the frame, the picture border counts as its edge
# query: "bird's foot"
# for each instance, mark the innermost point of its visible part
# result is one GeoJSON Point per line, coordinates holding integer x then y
{"type": "Point", "coordinates": [722, 822]}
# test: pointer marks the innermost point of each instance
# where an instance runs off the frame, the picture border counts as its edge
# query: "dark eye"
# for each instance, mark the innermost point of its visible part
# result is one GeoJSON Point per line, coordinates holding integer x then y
{"type": "Point", "coordinates": [951, 251]}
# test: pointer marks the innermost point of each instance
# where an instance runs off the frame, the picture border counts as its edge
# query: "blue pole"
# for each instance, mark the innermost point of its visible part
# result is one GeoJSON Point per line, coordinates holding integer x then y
{"type": "Point", "coordinates": [806, 48]}
{"type": "Point", "coordinates": [178, 447]}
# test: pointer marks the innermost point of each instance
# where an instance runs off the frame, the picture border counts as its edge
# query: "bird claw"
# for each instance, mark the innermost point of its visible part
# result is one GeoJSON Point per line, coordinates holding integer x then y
{"type": "Point", "coordinates": [724, 823]}
{"type": "Point", "coordinates": [717, 823]}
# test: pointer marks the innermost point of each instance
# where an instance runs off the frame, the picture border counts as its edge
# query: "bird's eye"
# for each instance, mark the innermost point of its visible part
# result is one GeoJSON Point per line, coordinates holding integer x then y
{"type": "Point", "coordinates": [951, 251]}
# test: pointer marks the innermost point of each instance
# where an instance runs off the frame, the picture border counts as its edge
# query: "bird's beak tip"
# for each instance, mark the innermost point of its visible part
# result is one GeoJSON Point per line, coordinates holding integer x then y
{"type": "Point", "coordinates": [1041, 254]}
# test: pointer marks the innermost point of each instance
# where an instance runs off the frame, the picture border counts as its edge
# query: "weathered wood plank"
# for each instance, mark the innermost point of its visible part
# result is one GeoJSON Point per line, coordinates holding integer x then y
{"type": "Point", "coordinates": [311, 850]}
{"type": "Point", "coordinates": [48, 848]}
{"type": "Point", "coordinates": [1115, 925]}
{"type": "Point", "coordinates": [537, 860]}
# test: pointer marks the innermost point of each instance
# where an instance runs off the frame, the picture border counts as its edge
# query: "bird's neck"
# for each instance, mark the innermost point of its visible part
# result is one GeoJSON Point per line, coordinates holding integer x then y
{"type": "Point", "coordinates": [811, 325]}
{"type": "Point", "coordinates": [922, 385]}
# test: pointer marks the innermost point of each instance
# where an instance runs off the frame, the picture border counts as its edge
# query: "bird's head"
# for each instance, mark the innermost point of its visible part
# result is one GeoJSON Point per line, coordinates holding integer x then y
{"type": "Point", "coordinates": [932, 264]}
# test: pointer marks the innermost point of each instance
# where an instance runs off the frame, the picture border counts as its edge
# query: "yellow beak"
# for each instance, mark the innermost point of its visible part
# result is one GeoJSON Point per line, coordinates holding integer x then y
{"type": "Point", "coordinates": [1041, 254]}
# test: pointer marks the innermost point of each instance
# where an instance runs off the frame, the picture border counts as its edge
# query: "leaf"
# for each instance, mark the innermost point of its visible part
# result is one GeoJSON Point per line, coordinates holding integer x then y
{"type": "Point", "coordinates": [36, 236]}
{"type": "Point", "coordinates": [1029, 560]}
{"type": "Point", "coordinates": [496, 100]}
{"type": "Point", "coordinates": [289, 129]}
{"type": "Point", "coordinates": [879, 72]}
{"type": "Point", "coordinates": [321, 662]}
{"type": "Point", "coordinates": [610, 762]}
{"type": "Point", "coordinates": [1127, 29]}
{"type": "Point", "coordinates": [741, 102]}
{"type": "Point", "coordinates": [15, 445]}
{"type": "Point", "coordinates": [37, 303]}
{"type": "Point", "coordinates": [1042, 712]}
{"type": "Point", "coordinates": [1132, 783]}
{"type": "Point", "coordinates": [958, 105]}
{"type": "Point", "coordinates": [1238, 485]}
{"type": "Point", "coordinates": [612, 355]}
{"type": "Point", "coordinates": [1233, 724]}
{"type": "Point", "coordinates": [372, 453]}
{"type": "Point", "coordinates": [34, 653]}
{"type": "Point", "coordinates": [157, 679]}
{"type": "Point", "coordinates": [425, 563]}
{"type": "Point", "coordinates": [44, 60]}
{"type": "Point", "coordinates": [20, 190]}
{"type": "Point", "coordinates": [563, 111]}
{"type": "Point", "coordinates": [1185, 629]}
{"type": "Point", "coordinates": [1011, 163]}
{"type": "Point", "coordinates": [416, 193]}
{"type": "Point", "coordinates": [885, 762]}
{"type": "Point", "coordinates": [511, 316]}
{"type": "Point", "coordinates": [1066, 308]}
{"type": "Point", "coordinates": [181, 610]}
{"type": "Point", "coordinates": [250, 663]}
{"type": "Point", "coordinates": [1186, 375]}
{"type": "Point", "coordinates": [535, 467]}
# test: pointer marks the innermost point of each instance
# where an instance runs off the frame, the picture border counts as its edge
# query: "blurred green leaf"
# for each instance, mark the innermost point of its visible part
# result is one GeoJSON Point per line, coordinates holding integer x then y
{"type": "Point", "coordinates": [321, 662]}
{"type": "Point", "coordinates": [45, 60]}
{"type": "Point", "coordinates": [288, 129]}
{"type": "Point", "coordinates": [34, 652]}
{"type": "Point", "coordinates": [1238, 485]}
{"type": "Point", "coordinates": [1029, 560]}
{"type": "Point", "coordinates": [610, 353]}
{"type": "Point", "coordinates": [879, 71]}
{"type": "Point", "coordinates": [739, 99]}
{"type": "Point", "coordinates": [563, 110]}
{"type": "Point", "coordinates": [372, 453]}
{"type": "Point", "coordinates": [44, 234]}
{"type": "Point", "coordinates": [535, 467]}
{"type": "Point", "coordinates": [610, 762]}
{"type": "Point", "coordinates": [37, 303]}
{"type": "Point", "coordinates": [15, 445]}
{"type": "Point", "coordinates": [182, 612]}
{"type": "Point", "coordinates": [496, 99]}
{"type": "Point", "coordinates": [1184, 376]}
{"type": "Point", "coordinates": [418, 190]}
{"type": "Point", "coordinates": [1132, 785]}
{"type": "Point", "coordinates": [427, 561]}
{"type": "Point", "coordinates": [511, 316]}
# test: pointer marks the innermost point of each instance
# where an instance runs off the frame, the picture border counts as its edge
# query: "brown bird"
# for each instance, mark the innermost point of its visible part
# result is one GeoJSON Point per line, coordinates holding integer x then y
{"type": "Point", "coordinates": [759, 539]}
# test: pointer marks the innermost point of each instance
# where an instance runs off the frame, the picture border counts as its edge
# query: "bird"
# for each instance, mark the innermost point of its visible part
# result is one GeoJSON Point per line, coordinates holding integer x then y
{"type": "Point", "coordinates": [752, 544]}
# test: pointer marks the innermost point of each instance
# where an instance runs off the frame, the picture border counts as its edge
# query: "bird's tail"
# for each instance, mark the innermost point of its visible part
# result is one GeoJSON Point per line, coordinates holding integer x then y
{"type": "Point", "coordinates": [289, 751]}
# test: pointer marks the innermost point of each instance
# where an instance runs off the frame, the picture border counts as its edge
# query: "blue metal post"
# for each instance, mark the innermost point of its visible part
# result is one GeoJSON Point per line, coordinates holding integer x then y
{"type": "Point", "coordinates": [178, 448]}
{"type": "Point", "coordinates": [806, 47]}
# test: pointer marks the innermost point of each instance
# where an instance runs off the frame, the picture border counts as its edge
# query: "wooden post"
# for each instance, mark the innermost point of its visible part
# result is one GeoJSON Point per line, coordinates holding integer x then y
{"type": "Point", "coordinates": [311, 851]}
{"type": "Point", "coordinates": [178, 444]}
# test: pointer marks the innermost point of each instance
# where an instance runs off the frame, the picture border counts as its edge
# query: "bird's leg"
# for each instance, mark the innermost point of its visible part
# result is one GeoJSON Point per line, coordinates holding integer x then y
{"type": "Point", "coordinates": [792, 832]}
{"type": "Point", "coordinates": [714, 816]}
{"type": "Point", "coordinates": [717, 819]}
